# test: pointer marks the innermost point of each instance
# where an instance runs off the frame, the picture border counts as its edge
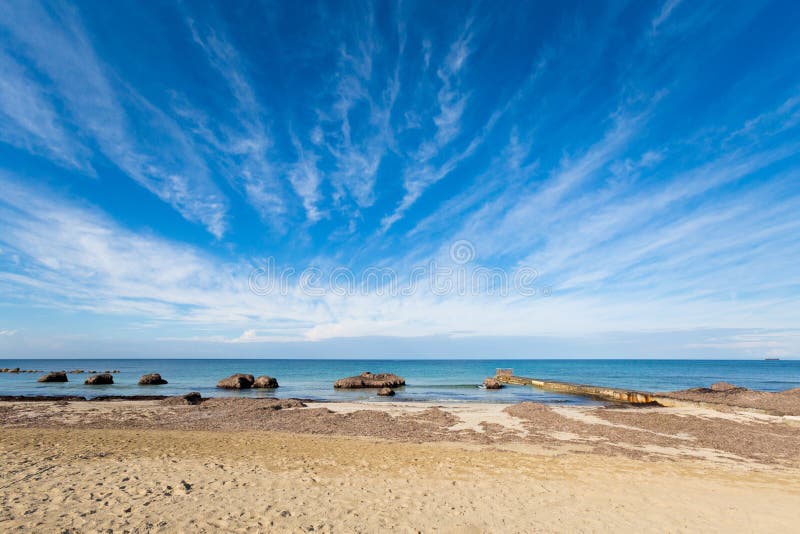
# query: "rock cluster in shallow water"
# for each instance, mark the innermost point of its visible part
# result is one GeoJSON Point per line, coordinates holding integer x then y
{"type": "Point", "coordinates": [491, 383]}
{"type": "Point", "coordinates": [151, 379]}
{"type": "Point", "coordinates": [370, 380]}
{"type": "Point", "coordinates": [247, 381]}
{"type": "Point", "coordinates": [100, 380]}
{"type": "Point", "coordinates": [55, 376]}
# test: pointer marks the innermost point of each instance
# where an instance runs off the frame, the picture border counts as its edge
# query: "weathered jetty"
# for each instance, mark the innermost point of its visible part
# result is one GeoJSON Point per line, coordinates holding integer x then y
{"type": "Point", "coordinates": [506, 376]}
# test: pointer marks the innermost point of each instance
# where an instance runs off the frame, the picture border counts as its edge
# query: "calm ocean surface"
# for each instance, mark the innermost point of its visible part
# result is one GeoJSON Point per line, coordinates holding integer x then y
{"type": "Point", "coordinates": [428, 380]}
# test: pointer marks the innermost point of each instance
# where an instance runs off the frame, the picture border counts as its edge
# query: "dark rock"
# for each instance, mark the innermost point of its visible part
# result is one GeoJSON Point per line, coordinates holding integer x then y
{"type": "Point", "coordinates": [491, 383]}
{"type": "Point", "coordinates": [265, 381]}
{"type": "Point", "coordinates": [55, 376]}
{"type": "Point", "coordinates": [386, 392]}
{"type": "Point", "coordinates": [369, 380]}
{"type": "Point", "coordinates": [193, 397]}
{"type": "Point", "coordinates": [99, 380]}
{"type": "Point", "coordinates": [190, 399]}
{"type": "Point", "coordinates": [152, 379]}
{"type": "Point", "coordinates": [14, 370]}
{"type": "Point", "coordinates": [237, 381]}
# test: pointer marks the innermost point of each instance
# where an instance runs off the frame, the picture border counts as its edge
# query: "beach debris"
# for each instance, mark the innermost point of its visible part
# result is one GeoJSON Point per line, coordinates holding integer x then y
{"type": "Point", "coordinates": [99, 379]}
{"type": "Point", "coordinates": [386, 392]}
{"type": "Point", "coordinates": [265, 381]}
{"type": "Point", "coordinates": [186, 486]}
{"type": "Point", "coordinates": [55, 376]}
{"type": "Point", "coordinates": [491, 383]}
{"type": "Point", "coordinates": [151, 379]}
{"type": "Point", "coordinates": [111, 398]}
{"type": "Point", "coordinates": [725, 386]}
{"type": "Point", "coordinates": [369, 380]}
{"type": "Point", "coordinates": [237, 381]}
{"type": "Point", "coordinates": [780, 403]}
{"type": "Point", "coordinates": [40, 398]}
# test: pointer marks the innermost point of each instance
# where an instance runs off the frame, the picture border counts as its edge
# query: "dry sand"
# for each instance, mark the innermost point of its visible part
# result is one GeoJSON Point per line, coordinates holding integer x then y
{"type": "Point", "coordinates": [264, 465]}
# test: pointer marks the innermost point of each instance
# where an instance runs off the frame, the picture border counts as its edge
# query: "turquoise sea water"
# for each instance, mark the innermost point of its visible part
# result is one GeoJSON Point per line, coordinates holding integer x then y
{"type": "Point", "coordinates": [427, 380]}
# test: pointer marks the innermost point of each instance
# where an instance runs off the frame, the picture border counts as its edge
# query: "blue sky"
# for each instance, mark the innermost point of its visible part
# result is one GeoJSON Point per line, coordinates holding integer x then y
{"type": "Point", "coordinates": [640, 158]}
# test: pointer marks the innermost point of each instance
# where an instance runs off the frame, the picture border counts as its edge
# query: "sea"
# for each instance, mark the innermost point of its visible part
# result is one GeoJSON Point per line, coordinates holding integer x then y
{"type": "Point", "coordinates": [426, 380]}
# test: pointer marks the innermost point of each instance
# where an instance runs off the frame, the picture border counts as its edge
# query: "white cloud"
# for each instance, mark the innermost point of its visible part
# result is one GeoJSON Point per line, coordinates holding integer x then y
{"type": "Point", "coordinates": [306, 178]}
{"type": "Point", "coordinates": [450, 98]}
{"type": "Point", "coordinates": [666, 10]}
{"type": "Point", "coordinates": [357, 128]}
{"type": "Point", "coordinates": [246, 142]}
{"type": "Point", "coordinates": [56, 45]}
{"type": "Point", "coordinates": [421, 173]}
{"type": "Point", "coordinates": [29, 120]}
{"type": "Point", "coordinates": [75, 258]}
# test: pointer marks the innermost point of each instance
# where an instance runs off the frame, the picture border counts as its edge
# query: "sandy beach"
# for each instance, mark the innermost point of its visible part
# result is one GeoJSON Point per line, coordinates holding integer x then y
{"type": "Point", "coordinates": [286, 465]}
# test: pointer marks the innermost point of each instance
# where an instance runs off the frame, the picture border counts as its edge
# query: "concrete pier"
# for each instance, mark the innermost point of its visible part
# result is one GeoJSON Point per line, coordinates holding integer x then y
{"type": "Point", "coordinates": [505, 376]}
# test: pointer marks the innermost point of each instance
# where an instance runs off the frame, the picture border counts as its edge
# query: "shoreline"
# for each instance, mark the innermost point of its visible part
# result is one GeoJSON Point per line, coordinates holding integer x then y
{"type": "Point", "coordinates": [719, 396]}
{"type": "Point", "coordinates": [255, 465]}
{"type": "Point", "coordinates": [256, 481]}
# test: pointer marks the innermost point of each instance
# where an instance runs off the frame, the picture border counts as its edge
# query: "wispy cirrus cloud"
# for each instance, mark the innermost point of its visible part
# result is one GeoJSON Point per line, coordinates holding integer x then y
{"type": "Point", "coordinates": [30, 121]}
{"type": "Point", "coordinates": [451, 102]}
{"type": "Point", "coordinates": [56, 44]}
{"type": "Point", "coordinates": [663, 14]}
{"type": "Point", "coordinates": [356, 127]}
{"type": "Point", "coordinates": [246, 142]}
{"type": "Point", "coordinates": [306, 178]}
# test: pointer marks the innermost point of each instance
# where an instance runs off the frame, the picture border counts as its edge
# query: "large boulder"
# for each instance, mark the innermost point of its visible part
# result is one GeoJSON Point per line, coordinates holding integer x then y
{"type": "Point", "coordinates": [491, 383]}
{"type": "Point", "coordinates": [99, 380]}
{"type": "Point", "coordinates": [152, 379]}
{"type": "Point", "coordinates": [369, 380]}
{"type": "Point", "coordinates": [265, 381]}
{"type": "Point", "coordinates": [386, 392]}
{"type": "Point", "coordinates": [55, 376]}
{"type": "Point", "coordinates": [237, 381]}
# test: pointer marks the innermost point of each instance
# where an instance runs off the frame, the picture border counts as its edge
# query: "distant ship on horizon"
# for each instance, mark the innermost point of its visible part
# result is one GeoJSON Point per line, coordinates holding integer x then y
{"type": "Point", "coordinates": [772, 359]}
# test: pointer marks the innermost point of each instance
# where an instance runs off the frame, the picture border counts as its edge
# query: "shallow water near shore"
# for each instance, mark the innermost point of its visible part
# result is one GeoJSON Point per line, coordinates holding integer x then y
{"type": "Point", "coordinates": [427, 380]}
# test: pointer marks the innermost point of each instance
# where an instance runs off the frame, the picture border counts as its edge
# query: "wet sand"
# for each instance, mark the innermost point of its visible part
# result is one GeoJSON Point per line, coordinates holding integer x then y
{"type": "Point", "coordinates": [261, 465]}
